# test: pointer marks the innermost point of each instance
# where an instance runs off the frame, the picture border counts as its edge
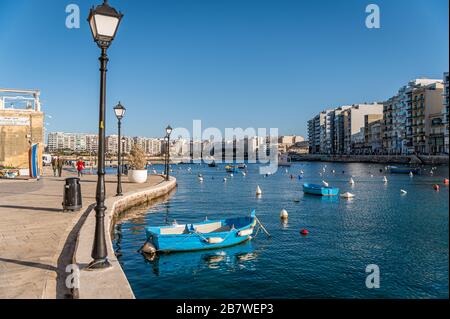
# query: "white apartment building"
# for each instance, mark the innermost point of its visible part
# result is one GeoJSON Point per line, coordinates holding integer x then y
{"type": "Point", "coordinates": [74, 142]}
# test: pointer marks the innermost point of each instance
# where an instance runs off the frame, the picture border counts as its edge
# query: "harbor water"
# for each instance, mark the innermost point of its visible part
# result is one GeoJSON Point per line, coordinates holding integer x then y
{"type": "Point", "coordinates": [405, 235]}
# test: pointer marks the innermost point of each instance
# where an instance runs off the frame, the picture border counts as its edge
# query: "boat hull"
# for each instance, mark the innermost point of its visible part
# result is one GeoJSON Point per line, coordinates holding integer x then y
{"type": "Point", "coordinates": [319, 190]}
{"type": "Point", "coordinates": [194, 243]}
{"type": "Point", "coordinates": [240, 230]}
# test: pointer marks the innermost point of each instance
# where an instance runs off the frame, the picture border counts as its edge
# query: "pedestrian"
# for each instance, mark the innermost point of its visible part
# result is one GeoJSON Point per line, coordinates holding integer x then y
{"type": "Point", "coordinates": [80, 167]}
{"type": "Point", "coordinates": [60, 166]}
{"type": "Point", "coordinates": [54, 165]}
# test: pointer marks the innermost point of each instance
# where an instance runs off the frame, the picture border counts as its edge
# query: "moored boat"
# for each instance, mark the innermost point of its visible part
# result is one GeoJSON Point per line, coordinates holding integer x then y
{"type": "Point", "coordinates": [403, 170]}
{"type": "Point", "coordinates": [284, 160]}
{"type": "Point", "coordinates": [320, 190]}
{"type": "Point", "coordinates": [202, 236]}
{"type": "Point", "coordinates": [231, 169]}
{"type": "Point", "coordinates": [212, 164]}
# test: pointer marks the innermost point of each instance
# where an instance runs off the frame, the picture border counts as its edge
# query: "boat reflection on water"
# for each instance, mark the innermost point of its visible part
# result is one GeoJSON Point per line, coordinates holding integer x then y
{"type": "Point", "coordinates": [224, 259]}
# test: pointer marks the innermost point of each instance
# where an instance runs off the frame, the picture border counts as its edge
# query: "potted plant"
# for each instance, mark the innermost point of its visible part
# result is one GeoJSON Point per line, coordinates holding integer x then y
{"type": "Point", "coordinates": [138, 171]}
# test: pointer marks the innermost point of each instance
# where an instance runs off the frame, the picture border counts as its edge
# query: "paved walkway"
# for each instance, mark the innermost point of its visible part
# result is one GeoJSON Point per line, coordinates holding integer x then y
{"type": "Point", "coordinates": [37, 239]}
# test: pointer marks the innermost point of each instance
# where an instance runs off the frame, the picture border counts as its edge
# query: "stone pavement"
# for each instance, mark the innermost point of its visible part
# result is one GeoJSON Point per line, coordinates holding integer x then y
{"type": "Point", "coordinates": [37, 240]}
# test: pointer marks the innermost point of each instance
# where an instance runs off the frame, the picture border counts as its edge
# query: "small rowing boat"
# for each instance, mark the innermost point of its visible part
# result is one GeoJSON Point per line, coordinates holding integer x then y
{"type": "Point", "coordinates": [202, 236]}
{"type": "Point", "coordinates": [320, 190]}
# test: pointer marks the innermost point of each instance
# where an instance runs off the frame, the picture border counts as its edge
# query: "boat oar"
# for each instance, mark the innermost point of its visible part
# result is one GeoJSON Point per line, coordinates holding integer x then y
{"type": "Point", "coordinates": [262, 227]}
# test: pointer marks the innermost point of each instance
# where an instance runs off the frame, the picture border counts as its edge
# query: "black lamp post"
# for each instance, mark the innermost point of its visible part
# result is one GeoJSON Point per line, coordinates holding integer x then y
{"type": "Point", "coordinates": [168, 132]}
{"type": "Point", "coordinates": [123, 152]}
{"type": "Point", "coordinates": [104, 22]}
{"type": "Point", "coordinates": [119, 110]}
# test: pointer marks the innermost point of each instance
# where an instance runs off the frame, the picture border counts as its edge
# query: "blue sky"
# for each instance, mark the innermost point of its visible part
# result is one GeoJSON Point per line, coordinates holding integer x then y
{"type": "Point", "coordinates": [229, 63]}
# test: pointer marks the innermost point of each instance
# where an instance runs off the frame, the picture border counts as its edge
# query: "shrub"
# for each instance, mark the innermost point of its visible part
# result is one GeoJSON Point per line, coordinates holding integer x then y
{"type": "Point", "coordinates": [137, 158]}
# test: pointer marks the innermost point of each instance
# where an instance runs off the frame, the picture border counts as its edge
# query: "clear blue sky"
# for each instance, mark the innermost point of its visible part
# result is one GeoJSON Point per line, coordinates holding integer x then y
{"type": "Point", "coordinates": [230, 63]}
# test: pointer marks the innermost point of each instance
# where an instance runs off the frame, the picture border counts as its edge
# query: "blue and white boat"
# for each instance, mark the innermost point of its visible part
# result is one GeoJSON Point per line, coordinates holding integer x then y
{"type": "Point", "coordinates": [320, 190]}
{"type": "Point", "coordinates": [202, 236]}
{"type": "Point", "coordinates": [231, 169]}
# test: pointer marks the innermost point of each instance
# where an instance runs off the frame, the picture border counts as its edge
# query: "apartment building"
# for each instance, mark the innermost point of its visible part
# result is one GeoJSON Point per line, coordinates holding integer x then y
{"type": "Point", "coordinates": [285, 142]}
{"type": "Point", "coordinates": [340, 117]}
{"type": "Point", "coordinates": [427, 118]}
{"type": "Point", "coordinates": [354, 120]}
{"type": "Point", "coordinates": [445, 121]}
{"type": "Point", "coordinates": [398, 118]}
{"type": "Point", "coordinates": [372, 133]}
{"type": "Point", "coordinates": [74, 142]}
{"type": "Point", "coordinates": [314, 133]}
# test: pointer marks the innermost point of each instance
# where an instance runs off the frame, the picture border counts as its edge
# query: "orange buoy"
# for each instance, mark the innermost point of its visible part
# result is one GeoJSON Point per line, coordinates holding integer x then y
{"type": "Point", "coordinates": [436, 187]}
{"type": "Point", "coordinates": [446, 182]}
{"type": "Point", "coordinates": [304, 232]}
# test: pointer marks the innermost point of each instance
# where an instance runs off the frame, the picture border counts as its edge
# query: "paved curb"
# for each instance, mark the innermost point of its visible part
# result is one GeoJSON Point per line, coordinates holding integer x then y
{"type": "Point", "coordinates": [111, 283]}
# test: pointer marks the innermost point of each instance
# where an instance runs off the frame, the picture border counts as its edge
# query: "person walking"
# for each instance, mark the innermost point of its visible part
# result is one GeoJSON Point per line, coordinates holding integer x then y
{"type": "Point", "coordinates": [54, 165]}
{"type": "Point", "coordinates": [80, 167]}
{"type": "Point", "coordinates": [60, 166]}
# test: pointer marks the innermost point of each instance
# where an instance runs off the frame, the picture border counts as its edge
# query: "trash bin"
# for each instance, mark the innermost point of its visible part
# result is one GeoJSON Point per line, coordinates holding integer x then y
{"type": "Point", "coordinates": [72, 195]}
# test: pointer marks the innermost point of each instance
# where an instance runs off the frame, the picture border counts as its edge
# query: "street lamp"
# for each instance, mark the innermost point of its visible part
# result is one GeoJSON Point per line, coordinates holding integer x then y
{"type": "Point", "coordinates": [104, 22]}
{"type": "Point", "coordinates": [123, 155]}
{"type": "Point", "coordinates": [168, 132]}
{"type": "Point", "coordinates": [119, 110]}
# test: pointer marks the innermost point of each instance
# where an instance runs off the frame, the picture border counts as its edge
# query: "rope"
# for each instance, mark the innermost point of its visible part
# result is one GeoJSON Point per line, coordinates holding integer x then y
{"type": "Point", "coordinates": [262, 227]}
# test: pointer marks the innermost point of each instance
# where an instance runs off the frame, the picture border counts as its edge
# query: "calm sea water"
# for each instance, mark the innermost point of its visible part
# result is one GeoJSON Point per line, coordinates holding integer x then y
{"type": "Point", "coordinates": [407, 236]}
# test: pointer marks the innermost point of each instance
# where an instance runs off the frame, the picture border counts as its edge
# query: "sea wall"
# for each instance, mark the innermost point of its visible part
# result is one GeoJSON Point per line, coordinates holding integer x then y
{"type": "Point", "coordinates": [112, 282]}
{"type": "Point", "coordinates": [380, 159]}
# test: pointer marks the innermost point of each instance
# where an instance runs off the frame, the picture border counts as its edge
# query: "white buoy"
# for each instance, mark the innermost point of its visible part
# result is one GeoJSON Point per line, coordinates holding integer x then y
{"type": "Point", "coordinates": [385, 179]}
{"type": "Point", "coordinates": [200, 179]}
{"type": "Point", "coordinates": [411, 174]}
{"type": "Point", "coordinates": [325, 184]}
{"type": "Point", "coordinates": [333, 171]}
{"type": "Point", "coordinates": [244, 174]}
{"type": "Point", "coordinates": [225, 179]}
{"type": "Point", "coordinates": [284, 214]}
{"type": "Point", "coordinates": [155, 172]}
{"type": "Point", "coordinates": [301, 172]}
{"type": "Point", "coordinates": [231, 175]}
{"type": "Point", "coordinates": [258, 191]}
{"type": "Point", "coordinates": [403, 192]}
{"type": "Point", "coordinates": [352, 182]}
{"type": "Point", "coordinates": [347, 195]}
{"type": "Point", "coordinates": [296, 200]}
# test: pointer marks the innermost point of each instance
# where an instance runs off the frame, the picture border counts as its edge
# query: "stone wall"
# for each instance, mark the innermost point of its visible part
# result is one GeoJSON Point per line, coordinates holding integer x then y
{"type": "Point", "coordinates": [14, 143]}
{"type": "Point", "coordinates": [381, 159]}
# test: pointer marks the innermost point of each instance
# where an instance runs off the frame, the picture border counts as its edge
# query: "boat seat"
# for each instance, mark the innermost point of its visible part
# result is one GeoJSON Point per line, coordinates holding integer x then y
{"type": "Point", "coordinates": [212, 228]}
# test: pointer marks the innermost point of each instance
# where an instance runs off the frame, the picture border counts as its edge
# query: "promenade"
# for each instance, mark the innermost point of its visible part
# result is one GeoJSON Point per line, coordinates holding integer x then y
{"type": "Point", "coordinates": [37, 240]}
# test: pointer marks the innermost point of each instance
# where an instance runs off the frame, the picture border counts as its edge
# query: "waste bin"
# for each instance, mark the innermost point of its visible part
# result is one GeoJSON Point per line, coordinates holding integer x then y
{"type": "Point", "coordinates": [72, 195]}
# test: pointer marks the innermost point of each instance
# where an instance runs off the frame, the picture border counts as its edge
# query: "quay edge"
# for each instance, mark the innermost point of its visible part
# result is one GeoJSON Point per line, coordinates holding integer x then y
{"type": "Point", "coordinates": [112, 282]}
{"type": "Point", "coordinates": [375, 159]}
